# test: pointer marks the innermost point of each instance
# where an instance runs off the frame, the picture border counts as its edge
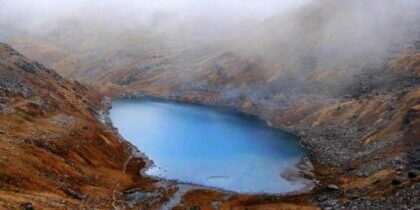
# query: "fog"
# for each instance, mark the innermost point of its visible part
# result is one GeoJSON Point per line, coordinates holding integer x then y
{"type": "Point", "coordinates": [212, 16]}
{"type": "Point", "coordinates": [215, 40]}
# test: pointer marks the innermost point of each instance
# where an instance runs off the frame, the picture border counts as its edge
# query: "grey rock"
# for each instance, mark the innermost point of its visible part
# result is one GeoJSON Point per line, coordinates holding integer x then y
{"type": "Point", "coordinates": [63, 121]}
{"type": "Point", "coordinates": [26, 206]}
{"type": "Point", "coordinates": [135, 196]}
{"type": "Point", "coordinates": [333, 187]}
{"type": "Point", "coordinates": [15, 85]}
{"type": "Point", "coordinates": [25, 66]}
{"type": "Point", "coordinates": [74, 193]}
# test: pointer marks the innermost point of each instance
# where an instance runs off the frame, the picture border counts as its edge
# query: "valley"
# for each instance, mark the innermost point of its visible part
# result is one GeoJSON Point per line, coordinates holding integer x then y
{"type": "Point", "coordinates": [343, 77]}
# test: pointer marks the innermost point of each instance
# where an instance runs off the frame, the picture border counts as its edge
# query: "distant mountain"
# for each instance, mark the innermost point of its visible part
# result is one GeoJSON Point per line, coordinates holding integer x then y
{"type": "Point", "coordinates": [344, 76]}
{"type": "Point", "coordinates": [290, 53]}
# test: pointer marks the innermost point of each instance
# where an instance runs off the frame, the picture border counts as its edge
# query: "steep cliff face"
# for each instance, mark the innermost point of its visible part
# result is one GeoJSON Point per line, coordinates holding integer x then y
{"type": "Point", "coordinates": [55, 153]}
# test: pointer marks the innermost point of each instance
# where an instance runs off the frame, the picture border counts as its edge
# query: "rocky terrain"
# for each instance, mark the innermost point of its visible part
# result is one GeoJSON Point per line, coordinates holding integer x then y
{"type": "Point", "coordinates": [59, 152]}
{"type": "Point", "coordinates": [351, 92]}
{"type": "Point", "coordinates": [370, 137]}
{"type": "Point", "coordinates": [55, 152]}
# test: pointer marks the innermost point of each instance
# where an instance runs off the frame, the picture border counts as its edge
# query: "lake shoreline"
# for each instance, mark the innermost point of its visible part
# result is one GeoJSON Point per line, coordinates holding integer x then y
{"type": "Point", "coordinates": [300, 174]}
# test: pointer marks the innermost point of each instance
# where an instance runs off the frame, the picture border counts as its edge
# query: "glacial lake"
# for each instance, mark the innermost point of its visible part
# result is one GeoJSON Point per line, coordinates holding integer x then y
{"type": "Point", "coordinates": [209, 146]}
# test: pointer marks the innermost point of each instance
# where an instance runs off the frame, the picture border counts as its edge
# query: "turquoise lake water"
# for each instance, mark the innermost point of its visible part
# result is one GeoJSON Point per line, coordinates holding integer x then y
{"type": "Point", "coordinates": [208, 146]}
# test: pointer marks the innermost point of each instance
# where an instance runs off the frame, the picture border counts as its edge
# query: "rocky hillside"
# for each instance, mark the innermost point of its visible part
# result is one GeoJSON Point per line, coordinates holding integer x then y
{"type": "Point", "coordinates": [59, 151]}
{"type": "Point", "coordinates": [316, 51]}
{"type": "Point", "coordinates": [369, 135]}
{"type": "Point", "coordinates": [55, 153]}
{"type": "Point", "coordinates": [342, 75]}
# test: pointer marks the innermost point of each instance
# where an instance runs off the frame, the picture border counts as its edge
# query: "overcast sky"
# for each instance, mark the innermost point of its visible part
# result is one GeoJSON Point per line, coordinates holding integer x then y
{"type": "Point", "coordinates": [142, 10]}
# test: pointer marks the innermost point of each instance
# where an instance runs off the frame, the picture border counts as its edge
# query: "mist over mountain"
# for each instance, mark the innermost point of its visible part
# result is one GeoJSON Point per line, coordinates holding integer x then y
{"type": "Point", "coordinates": [265, 55]}
{"type": "Point", "coordinates": [205, 18]}
{"type": "Point", "coordinates": [342, 76]}
{"type": "Point", "coordinates": [270, 38]}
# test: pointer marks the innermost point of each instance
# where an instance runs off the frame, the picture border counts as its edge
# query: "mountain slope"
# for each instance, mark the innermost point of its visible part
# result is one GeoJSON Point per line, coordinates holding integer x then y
{"type": "Point", "coordinates": [55, 153]}
{"type": "Point", "coordinates": [318, 50]}
{"type": "Point", "coordinates": [342, 75]}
